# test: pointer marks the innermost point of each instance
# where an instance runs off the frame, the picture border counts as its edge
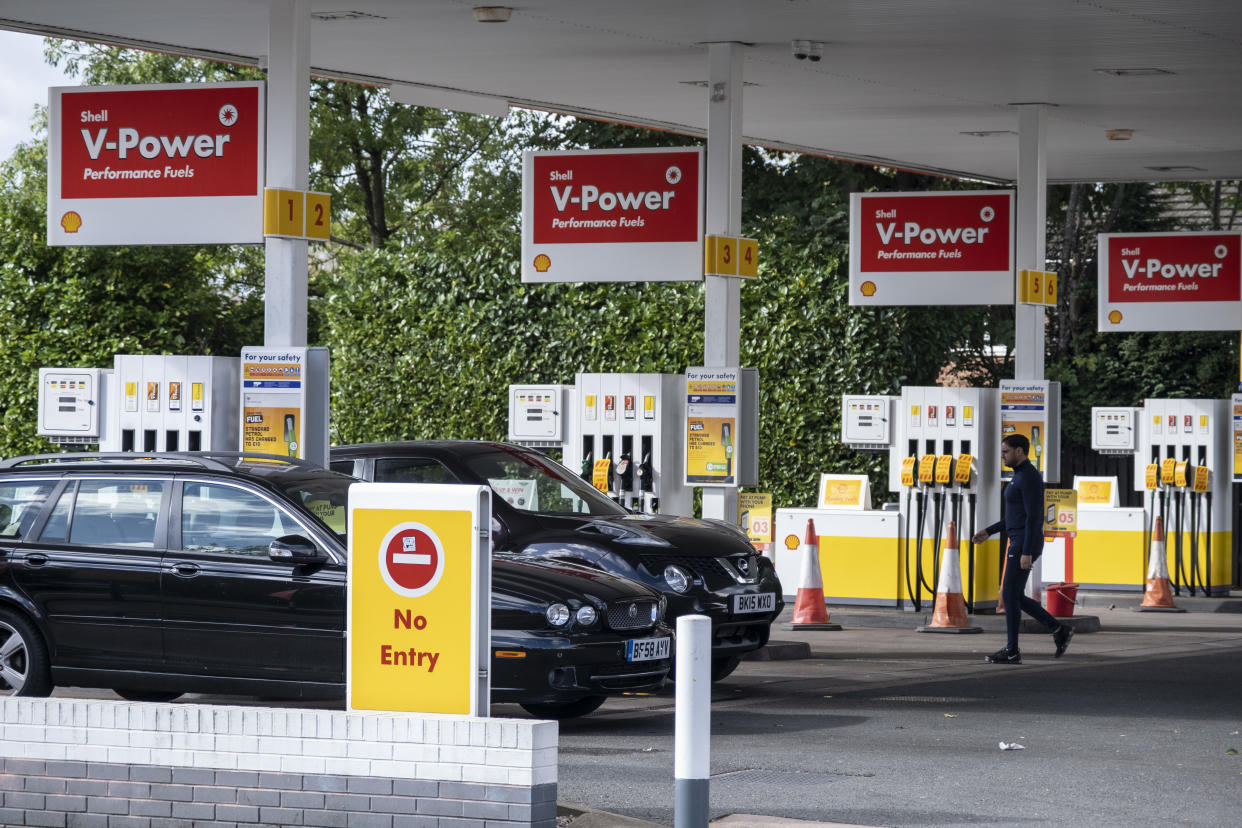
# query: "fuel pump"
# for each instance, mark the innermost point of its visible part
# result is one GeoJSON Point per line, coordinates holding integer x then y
{"type": "Point", "coordinates": [1181, 513]}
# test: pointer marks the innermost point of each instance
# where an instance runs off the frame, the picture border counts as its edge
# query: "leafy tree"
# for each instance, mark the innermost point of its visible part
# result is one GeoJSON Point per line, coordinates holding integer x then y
{"type": "Point", "coordinates": [81, 305]}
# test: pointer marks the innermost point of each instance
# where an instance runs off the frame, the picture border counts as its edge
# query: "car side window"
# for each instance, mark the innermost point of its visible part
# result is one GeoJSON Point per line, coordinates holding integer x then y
{"type": "Point", "coordinates": [115, 513]}
{"type": "Point", "coordinates": [342, 466]}
{"type": "Point", "coordinates": [412, 470]}
{"type": "Point", "coordinates": [19, 506]}
{"type": "Point", "coordinates": [230, 521]}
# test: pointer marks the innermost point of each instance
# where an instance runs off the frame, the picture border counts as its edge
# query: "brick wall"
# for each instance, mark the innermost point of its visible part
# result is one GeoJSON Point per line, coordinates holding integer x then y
{"type": "Point", "coordinates": [104, 764]}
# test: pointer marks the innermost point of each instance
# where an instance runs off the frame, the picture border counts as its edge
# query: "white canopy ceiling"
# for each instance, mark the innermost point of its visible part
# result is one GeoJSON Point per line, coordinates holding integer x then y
{"type": "Point", "coordinates": [919, 84]}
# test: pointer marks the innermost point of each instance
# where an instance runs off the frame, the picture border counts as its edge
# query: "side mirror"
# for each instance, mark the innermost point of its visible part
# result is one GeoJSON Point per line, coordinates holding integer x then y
{"type": "Point", "coordinates": [295, 549]}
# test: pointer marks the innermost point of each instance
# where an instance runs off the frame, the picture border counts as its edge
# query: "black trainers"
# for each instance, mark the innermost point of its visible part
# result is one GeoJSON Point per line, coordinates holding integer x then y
{"type": "Point", "coordinates": [1062, 638]}
{"type": "Point", "coordinates": [1005, 656]}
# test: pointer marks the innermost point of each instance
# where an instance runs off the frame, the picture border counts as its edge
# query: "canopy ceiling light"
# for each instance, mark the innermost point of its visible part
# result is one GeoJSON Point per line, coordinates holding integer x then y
{"type": "Point", "coordinates": [493, 14]}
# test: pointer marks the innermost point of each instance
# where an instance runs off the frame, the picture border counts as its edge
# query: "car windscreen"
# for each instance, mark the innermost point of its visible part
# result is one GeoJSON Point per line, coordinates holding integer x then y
{"type": "Point", "coordinates": [324, 494]}
{"type": "Point", "coordinates": [533, 483]}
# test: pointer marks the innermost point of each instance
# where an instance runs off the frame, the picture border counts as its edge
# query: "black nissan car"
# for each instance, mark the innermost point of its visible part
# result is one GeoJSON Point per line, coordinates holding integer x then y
{"type": "Point", "coordinates": [542, 509]}
{"type": "Point", "coordinates": [166, 574]}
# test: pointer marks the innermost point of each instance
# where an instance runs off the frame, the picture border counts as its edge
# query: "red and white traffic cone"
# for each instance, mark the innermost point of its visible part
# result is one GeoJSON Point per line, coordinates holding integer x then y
{"type": "Point", "coordinates": [810, 610]}
{"type": "Point", "coordinates": [949, 613]}
{"type": "Point", "coordinates": [1158, 597]}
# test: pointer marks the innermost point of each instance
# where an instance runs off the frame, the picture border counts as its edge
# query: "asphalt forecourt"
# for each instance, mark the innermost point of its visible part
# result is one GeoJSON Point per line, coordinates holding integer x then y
{"type": "Point", "coordinates": [882, 726]}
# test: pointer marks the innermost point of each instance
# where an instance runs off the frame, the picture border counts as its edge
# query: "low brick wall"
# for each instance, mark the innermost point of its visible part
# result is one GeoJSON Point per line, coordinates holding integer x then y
{"type": "Point", "coordinates": [109, 764]}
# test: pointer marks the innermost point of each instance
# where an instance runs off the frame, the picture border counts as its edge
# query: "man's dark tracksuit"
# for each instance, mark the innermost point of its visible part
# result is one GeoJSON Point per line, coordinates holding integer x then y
{"type": "Point", "coordinates": [1024, 524]}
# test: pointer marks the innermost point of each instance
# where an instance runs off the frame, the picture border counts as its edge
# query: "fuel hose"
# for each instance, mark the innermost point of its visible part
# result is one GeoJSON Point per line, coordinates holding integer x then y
{"type": "Point", "coordinates": [970, 563]}
{"type": "Point", "coordinates": [1207, 584]}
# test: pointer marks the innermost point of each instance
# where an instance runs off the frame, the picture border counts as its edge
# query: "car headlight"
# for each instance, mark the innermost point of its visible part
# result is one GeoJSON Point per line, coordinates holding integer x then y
{"type": "Point", "coordinates": [557, 615]}
{"type": "Point", "coordinates": [678, 579]}
{"type": "Point", "coordinates": [586, 615]}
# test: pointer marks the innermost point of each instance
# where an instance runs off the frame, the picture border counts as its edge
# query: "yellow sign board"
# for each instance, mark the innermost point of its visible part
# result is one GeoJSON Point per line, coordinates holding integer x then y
{"type": "Point", "coordinates": [1037, 287]}
{"type": "Point", "coordinates": [730, 256]}
{"type": "Point", "coordinates": [600, 474]}
{"type": "Point", "coordinates": [1060, 511]}
{"type": "Point", "coordinates": [754, 515]}
{"type": "Point", "coordinates": [844, 491]}
{"type": "Point", "coordinates": [419, 581]}
{"type": "Point", "coordinates": [1096, 492]}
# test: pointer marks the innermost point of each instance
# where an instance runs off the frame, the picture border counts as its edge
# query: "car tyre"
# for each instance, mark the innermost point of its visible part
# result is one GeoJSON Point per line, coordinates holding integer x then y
{"type": "Point", "coordinates": [131, 694]}
{"type": "Point", "coordinates": [24, 665]}
{"type": "Point", "coordinates": [724, 666]}
{"type": "Point", "coordinates": [564, 710]}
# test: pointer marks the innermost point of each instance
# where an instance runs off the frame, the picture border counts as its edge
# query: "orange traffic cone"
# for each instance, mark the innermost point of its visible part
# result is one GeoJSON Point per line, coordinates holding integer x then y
{"type": "Point", "coordinates": [810, 611]}
{"type": "Point", "coordinates": [949, 614]}
{"type": "Point", "coordinates": [1158, 597]}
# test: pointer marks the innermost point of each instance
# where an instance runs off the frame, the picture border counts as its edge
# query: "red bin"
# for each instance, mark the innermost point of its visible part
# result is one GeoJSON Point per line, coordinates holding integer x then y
{"type": "Point", "coordinates": [1061, 598]}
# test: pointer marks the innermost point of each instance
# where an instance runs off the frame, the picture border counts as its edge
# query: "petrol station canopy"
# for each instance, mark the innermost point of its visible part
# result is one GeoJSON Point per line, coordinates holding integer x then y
{"type": "Point", "coordinates": [1136, 89]}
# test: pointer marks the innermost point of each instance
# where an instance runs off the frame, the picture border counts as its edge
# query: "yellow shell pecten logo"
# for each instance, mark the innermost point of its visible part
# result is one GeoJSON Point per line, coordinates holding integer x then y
{"type": "Point", "coordinates": [868, 288]}
{"type": "Point", "coordinates": [71, 221]}
{"type": "Point", "coordinates": [792, 542]}
{"type": "Point", "coordinates": [542, 263]}
{"type": "Point", "coordinates": [1114, 316]}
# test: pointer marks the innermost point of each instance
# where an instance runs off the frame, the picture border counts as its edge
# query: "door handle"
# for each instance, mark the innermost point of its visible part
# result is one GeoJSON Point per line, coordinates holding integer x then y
{"type": "Point", "coordinates": [185, 570]}
{"type": "Point", "coordinates": [36, 559]}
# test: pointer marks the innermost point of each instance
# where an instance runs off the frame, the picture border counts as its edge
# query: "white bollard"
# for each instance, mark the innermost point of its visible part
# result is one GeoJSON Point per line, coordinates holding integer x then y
{"type": "Point", "coordinates": [693, 721]}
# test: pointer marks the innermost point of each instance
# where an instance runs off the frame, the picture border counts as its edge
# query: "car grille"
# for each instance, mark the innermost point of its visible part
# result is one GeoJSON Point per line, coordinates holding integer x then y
{"type": "Point", "coordinates": [709, 570]}
{"type": "Point", "coordinates": [631, 676]}
{"type": "Point", "coordinates": [620, 618]}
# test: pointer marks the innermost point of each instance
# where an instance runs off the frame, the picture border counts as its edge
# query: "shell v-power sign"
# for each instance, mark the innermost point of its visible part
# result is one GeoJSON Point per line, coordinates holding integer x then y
{"type": "Point", "coordinates": [612, 215]}
{"type": "Point", "coordinates": [157, 164]}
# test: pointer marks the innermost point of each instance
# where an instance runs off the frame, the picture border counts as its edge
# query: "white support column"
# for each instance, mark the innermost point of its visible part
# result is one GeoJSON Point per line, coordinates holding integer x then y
{"type": "Point", "coordinates": [722, 316]}
{"type": "Point", "coordinates": [288, 165]}
{"type": "Point", "coordinates": [1031, 252]}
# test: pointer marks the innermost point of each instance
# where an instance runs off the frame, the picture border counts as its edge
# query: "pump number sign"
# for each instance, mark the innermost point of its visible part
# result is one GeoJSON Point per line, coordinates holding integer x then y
{"type": "Point", "coordinates": [156, 164]}
{"type": "Point", "coordinates": [1170, 281]}
{"type": "Point", "coordinates": [932, 248]}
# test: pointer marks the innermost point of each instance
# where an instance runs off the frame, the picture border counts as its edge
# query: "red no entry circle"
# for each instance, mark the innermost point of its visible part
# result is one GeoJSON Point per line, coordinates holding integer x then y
{"type": "Point", "coordinates": [411, 559]}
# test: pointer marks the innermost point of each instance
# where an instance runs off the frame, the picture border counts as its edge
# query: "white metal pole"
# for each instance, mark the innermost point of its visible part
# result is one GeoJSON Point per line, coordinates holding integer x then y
{"type": "Point", "coordinates": [693, 721]}
{"type": "Point", "coordinates": [1031, 246]}
{"type": "Point", "coordinates": [722, 317]}
{"type": "Point", "coordinates": [288, 165]}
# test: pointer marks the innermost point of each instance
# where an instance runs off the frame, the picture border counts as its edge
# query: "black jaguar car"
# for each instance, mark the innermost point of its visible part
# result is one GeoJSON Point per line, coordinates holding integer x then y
{"type": "Point", "coordinates": [166, 574]}
{"type": "Point", "coordinates": [542, 509]}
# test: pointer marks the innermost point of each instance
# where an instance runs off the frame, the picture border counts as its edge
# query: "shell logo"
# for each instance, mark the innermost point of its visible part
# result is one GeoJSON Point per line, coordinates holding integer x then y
{"type": "Point", "coordinates": [792, 542]}
{"type": "Point", "coordinates": [71, 221]}
{"type": "Point", "coordinates": [868, 288]}
{"type": "Point", "coordinates": [1114, 317]}
{"type": "Point", "coordinates": [542, 263]}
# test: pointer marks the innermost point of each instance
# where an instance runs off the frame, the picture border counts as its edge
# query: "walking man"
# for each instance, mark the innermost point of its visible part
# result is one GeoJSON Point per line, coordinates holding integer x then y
{"type": "Point", "coordinates": [1023, 523]}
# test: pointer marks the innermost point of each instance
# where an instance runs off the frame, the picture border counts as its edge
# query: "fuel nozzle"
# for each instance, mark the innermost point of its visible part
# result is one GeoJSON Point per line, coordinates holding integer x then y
{"type": "Point", "coordinates": [625, 472]}
{"type": "Point", "coordinates": [646, 474]}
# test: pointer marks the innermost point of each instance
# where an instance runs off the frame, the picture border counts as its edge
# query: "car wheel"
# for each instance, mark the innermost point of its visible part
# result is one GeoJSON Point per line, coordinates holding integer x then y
{"type": "Point", "coordinates": [23, 658]}
{"type": "Point", "coordinates": [564, 710]}
{"type": "Point", "coordinates": [130, 694]}
{"type": "Point", "coordinates": [722, 667]}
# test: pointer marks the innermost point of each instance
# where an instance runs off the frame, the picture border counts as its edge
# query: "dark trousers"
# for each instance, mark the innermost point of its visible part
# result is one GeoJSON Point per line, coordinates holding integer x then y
{"type": "Point", "coordinates": [1013, 592]}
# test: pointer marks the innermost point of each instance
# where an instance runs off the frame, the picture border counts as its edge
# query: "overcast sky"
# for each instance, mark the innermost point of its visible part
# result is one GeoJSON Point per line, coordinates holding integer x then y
{"type": "Point", "coordinates": [24, 79]}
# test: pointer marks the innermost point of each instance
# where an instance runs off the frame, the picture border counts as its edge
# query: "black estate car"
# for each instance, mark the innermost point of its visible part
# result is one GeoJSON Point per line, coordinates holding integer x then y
{"type": "Point", "coordinates": [166, 574]}
{"type": "Point", "coordinates": [544, 510]}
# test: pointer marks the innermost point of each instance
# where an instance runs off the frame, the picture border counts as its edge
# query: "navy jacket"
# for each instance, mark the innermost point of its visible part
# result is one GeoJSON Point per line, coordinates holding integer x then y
{"type": "Point", "coordinates": [1024, 511]}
